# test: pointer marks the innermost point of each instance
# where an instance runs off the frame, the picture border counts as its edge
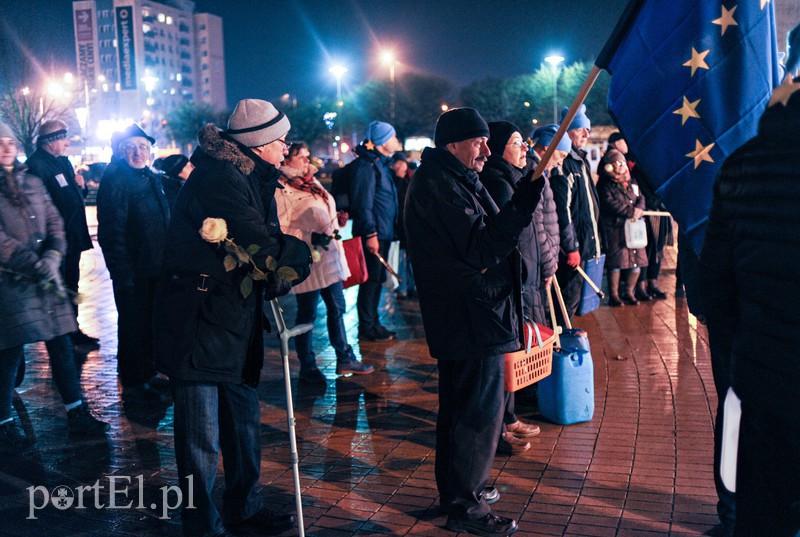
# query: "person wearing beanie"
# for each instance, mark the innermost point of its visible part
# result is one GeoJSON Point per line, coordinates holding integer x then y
{"type": "Point", "coordinates": [56, 172]}
{"type": "Point", "coordinates": [749, 288]}
{"type": "Point", "coordinates": [176, 170]}
{"type": "Point", "coordinates": [501, 176]}
{"type": "Point", "coordinates": [621, 199]}
{"type": "Point", "coordinates": [462, 247]}
{"type": "Point", "coordinates": [34, 304]}
{"type": "Point", "coordinates": [373, 209]}
{"type": "Point", "coordinates": [208, 320]}
{"type": "Point", "coordinates": [658, 228]}
{"type": "Point", "coordinates": [578, 210]}
{"type": "Point", "coordinates": [308, 212]}
{"type": "Point", "coordinates": [132, 221]}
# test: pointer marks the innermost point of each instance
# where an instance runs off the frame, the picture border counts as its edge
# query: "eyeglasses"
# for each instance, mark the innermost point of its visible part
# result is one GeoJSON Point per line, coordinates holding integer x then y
{"type": "Point", "coordinates": [284, 143]}
{"type": "Point", "coordinates": [130, 148]}
{"type": "Point", "coordinates": [517, 143]}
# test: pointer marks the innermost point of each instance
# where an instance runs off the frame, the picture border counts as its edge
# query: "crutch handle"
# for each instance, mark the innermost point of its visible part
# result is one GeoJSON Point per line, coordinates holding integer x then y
{"type": "Point", "coordinates": [593, 285]}
{"type": "Point", "coordinates": [298, 329]}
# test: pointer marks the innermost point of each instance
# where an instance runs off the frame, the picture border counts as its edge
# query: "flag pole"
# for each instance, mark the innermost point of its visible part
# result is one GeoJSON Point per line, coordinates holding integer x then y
{"type": "Point", "coordinates": [573, 110]}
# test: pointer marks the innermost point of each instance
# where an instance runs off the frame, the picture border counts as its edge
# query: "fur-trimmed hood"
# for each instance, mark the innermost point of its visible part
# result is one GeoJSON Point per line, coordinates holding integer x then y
{"type": "Point", "coordinates": [215, 146]}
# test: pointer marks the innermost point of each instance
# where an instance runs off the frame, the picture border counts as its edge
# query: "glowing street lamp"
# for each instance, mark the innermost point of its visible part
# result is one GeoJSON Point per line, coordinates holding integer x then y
{"type": "Point", "coordinates": [555, 61]}
{"type": "Point", "coordinates": [388, 58]}
{"type": "Point", "coordinates": [338, 71]}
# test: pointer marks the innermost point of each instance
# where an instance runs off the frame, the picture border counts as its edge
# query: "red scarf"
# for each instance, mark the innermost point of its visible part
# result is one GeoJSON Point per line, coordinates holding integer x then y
{"type": "Point", "coordinates": [307, 185]}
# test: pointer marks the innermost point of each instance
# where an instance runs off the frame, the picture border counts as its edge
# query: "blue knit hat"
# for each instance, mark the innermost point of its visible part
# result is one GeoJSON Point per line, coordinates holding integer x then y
{"type": "Point", "coordinates": [581, 120]}
{"type": "Point", "coordinates": [544, 136]}
{"type": "Point", "coordinates": [379, 132]}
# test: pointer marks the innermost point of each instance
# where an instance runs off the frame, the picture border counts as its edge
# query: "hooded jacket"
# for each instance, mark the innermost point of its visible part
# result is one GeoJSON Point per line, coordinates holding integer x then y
{"type": "Point", "coordinates": [27, 313]}
{"type": "Point", "coordinates": [461, 247]}
{"type": "Point", "coordinates": [578, 206]}
{"type": "Point", "coordinates": [206, 329]}
{"type": "Point", "coordinates": [373, 196]}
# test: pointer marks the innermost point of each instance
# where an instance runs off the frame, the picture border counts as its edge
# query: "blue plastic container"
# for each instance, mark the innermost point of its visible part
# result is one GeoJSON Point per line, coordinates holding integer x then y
{"type": "Point", "coordinates": [590, 300]}
{"type": "Point", "coordinates": [567, 395]}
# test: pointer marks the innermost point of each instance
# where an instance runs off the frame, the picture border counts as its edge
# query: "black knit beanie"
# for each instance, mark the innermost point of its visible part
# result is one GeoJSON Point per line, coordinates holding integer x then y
{"type": "Point", "coordinates": [458, 124]}
{"type": "Point", "coordinates": [499, 134]}
{"type": "Point", "coordinates": [172, 165]}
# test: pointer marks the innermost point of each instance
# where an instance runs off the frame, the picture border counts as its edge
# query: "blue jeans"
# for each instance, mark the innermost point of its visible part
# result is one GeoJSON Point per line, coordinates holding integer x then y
{"type": "Point", "coordinates": [405, 272]}
{"type": "Point", "coordinates": [210, 417]}
{"type": "Point", "coordinates": [333, 296]}
{"type": "Point", "coordinates": [62, 366]}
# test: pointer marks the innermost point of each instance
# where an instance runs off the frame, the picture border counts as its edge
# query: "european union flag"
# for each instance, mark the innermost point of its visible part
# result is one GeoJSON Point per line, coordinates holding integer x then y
{"type": "Point", "coordinates": [690, 80]}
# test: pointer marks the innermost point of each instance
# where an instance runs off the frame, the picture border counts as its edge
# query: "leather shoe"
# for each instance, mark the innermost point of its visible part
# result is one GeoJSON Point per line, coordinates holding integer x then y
{"type": "Point", "coordinates": [642, 295]}
{"type": "Point", "coordinates": [629, 300]}
{"type": "Point", "coordinates": [615, 302]}
{"type": "Point", "coordinates": [353, 367]}
{"type": "Point", "coordinates": [312, 375]}
{"type": "Point", "coordinates": [385, 331]}
{"type": "Point", "coordinates": [657, 293]}
{"type": "Point", "coordinates": [511, 445]}
{"type": "Point", "coordinates": [489, 525]}
{"type": "Point", "coordinates": [374, 335]}
{"type": "Point", "coordinates": [265, 521]}
{"type": "Point", "coordinates": [521, 429]}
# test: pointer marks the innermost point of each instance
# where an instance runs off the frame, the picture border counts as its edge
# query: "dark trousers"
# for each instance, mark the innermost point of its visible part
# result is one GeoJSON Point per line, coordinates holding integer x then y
{"type": "Point", "coordinates": [768, 474]}
{"type": "Point", "coordinates": [71, 271]}
{"type": "Point", "coordinates": [721, 369]}
{"type": "Point", "coordinates": [571, 282]}
{"type": "Point", "coordinates": [369, 292]}
{"type": "Point", "coordinates": [471, 402]}
{"type": "Point", "coordinates": [62, 366]}
{"type": "Point", "coordinates": [333, 296]}
{"type": "Point", "coordinates": [135, 360]}
{"type": "Point", "coordinates": [210, 418]}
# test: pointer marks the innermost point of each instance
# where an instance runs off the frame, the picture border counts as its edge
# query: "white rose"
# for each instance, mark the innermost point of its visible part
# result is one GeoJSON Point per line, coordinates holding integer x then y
{"type": "Point", "coordinates": [214, 230]}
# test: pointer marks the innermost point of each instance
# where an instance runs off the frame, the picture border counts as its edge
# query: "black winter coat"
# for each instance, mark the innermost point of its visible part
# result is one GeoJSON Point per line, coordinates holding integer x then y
{"type": "Point", "coordinates": [617, 206]}
{"type": "Point", "coordinates": [132, 221]}
{"type": "Point", "coordinates": [501, 178]}
{"type": "Point", "coordinates": [750, 264]}
{"type": "Point", "coordinates": [205, 329]}
{"type": "Point", "coordinates": [578, 206]}
{"type": "Point", "coordinates": [461, 251]}
{"type": "Point", "coordinates": [373, 196]}
{"type": "Point", "coordinates": [58, 177]}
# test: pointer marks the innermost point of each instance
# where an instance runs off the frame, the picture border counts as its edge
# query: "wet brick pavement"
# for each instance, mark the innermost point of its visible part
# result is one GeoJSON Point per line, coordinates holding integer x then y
{"type": "Point", "coordinates": [640, 468]}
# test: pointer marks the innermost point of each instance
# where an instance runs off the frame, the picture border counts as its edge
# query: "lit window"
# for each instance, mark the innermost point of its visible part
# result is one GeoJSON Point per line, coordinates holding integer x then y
{"type": "Point", "coordinates": [178, 77]}
{"type": "Point", "coordinates": [145, 28]}
{"type": "Point", "coordinates": [161, 17]}
{"type": "Point", "coordinates": [169, 20]}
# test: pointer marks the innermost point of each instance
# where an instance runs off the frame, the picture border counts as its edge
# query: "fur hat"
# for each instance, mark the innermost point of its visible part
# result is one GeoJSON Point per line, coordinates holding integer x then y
{"type": "Point", "coordinates": [499, 134]}
{"type": "Point", "coordinates": [544, 136]}
{"type": "Point", "coordinates": [458, 124]}
{"type": "Point", "coordinates": [255, 123]}
{"type": "Point", "coordinates": [580, 121]}
{"type": "Point", "coordinates": [379, 132]}
{"type": "Point", "coordinates": [5, 131]}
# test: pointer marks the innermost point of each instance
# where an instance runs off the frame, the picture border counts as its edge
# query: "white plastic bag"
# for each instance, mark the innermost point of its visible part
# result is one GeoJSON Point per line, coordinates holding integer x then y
{"type": "Point", "coordinates": [393, 260]}
{"type": "Point", "coordinates": [732, 411]}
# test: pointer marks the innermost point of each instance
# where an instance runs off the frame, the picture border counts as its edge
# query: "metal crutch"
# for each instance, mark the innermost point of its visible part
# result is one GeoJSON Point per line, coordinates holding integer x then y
{"type": "Point", "coordinates": [285, 334]}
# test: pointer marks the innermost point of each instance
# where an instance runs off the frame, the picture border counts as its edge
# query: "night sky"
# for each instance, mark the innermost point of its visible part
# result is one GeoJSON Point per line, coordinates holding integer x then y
{"type": "Point", "coordinates": [274, 47]}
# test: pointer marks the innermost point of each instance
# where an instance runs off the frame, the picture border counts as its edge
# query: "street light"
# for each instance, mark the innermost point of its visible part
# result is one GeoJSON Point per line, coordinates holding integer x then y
{"type": "Point", "coordinates": [388, 58]}
{"type": "Point", "coordinates": [555, 61]}
{"type": "Point", "coordinates": [338, 71]}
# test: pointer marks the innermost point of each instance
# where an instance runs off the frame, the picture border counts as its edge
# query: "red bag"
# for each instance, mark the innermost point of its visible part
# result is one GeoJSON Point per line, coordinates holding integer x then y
{"type": "Point", "coordinates": [354, 253]}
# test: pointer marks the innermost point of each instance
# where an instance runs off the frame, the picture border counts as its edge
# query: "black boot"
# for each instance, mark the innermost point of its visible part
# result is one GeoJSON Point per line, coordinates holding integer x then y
{"type": "Point", "coordinates": [613, 289]}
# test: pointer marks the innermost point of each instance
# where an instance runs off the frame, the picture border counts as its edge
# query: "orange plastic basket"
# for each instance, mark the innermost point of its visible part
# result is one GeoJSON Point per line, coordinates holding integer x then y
{"type": "Point", "coordinates": [533, 363]}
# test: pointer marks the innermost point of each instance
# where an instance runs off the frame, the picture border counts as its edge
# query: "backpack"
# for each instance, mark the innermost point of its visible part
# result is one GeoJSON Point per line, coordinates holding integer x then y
{"type": "Point", "coordinates": [340, 184]}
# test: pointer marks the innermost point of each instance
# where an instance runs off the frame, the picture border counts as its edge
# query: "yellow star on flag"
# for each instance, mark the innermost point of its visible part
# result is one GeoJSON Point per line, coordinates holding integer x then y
{"type": "Point", "coordinates": [764, 3]}
{"type": "Point", "coordinates": [698, 60]}
{"type": "Point", "coordinates": [687, 110]}
{"type": "Point", "coordinates": [727, 19]}
{"type": "Point", "coordinates": [701, 153]}
{"type": "Point", "coordinates": [369, 145]}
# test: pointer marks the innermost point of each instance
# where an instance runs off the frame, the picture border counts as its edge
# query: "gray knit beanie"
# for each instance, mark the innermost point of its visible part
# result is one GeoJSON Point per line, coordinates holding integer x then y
{"type": "Point", "coordinates": [255, 123]}
{"type": "Point", "coordinates": [5, 131]}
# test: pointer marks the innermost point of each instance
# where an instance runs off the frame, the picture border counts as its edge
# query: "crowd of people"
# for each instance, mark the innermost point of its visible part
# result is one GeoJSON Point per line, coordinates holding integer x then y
{"type": "Point", "coordinates": [194, 246]}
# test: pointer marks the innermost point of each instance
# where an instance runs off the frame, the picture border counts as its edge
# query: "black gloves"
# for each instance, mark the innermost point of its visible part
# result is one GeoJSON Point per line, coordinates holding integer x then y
{"type": "Point", "coordinates": [274, 286]}
{"type": "Point", "coordinates": [528, 194]}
